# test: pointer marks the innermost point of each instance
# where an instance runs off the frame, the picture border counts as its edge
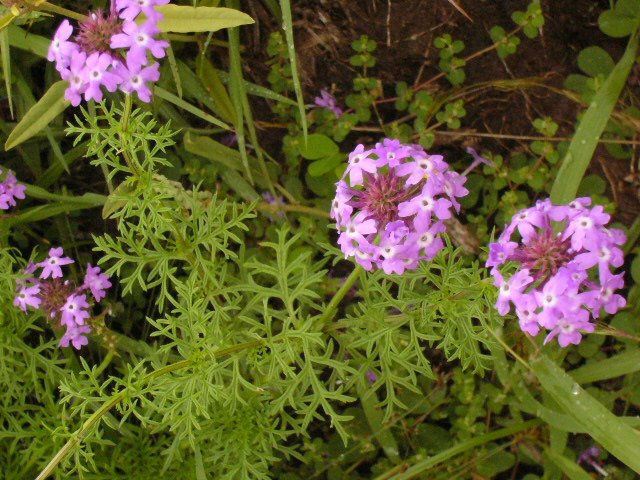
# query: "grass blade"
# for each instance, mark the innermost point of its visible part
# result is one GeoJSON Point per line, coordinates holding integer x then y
{"type": "Point", "coordinates": [6, 66]}
{"type": "Point", "coordinates": [616, 366]}
{"type": "Point", "coordinates": [178, 102]}
{"type": "Point", "coordinates": [417, 470]}
{"type": "Point", "coordinates": [590, 129]}
{"type": "Point", "coordinates": [611, 432]}
{"type": "Point", "coordinates": [287, 25]}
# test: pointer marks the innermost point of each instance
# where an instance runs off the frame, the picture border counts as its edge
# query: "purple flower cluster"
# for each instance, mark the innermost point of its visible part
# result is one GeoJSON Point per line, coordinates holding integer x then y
{"type": "Point", "coordinates": [111, 50]}
{"type": "Point", "coordinates": [390, 211]}
{"type": "Point", "coordinates": [328, 101]}
{"type": "Point", "coordinates": [10, 189]}
{"type": "Point", "coordinates": [60, 299]}
{"type": "Point", "coordinates": [562, 279]}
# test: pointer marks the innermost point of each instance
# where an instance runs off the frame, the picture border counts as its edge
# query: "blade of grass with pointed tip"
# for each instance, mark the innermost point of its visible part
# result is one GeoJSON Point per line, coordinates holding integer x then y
{"type": "Point", "coordinates": [287, 25]}
{"type": "Point", "coordinates": [183, 19]}
{"type": "Point", "coordinates": [178, 102]}
{"type": "Point", "coordinates": [40, 115]}
{"type": "Point", "coordinates": [593, 123]}
{"type": "Point", "coordinates": [608, 430]}
{"type": "Point", "coordinates": [6, 66]}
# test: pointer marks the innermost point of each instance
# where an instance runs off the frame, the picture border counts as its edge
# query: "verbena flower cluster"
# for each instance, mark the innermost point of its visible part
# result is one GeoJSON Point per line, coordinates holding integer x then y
{"type": "Point", "coordinates": [390, 205]}
{"type": "Point", "coordinates": [111, 50]}
{"type": "Point", "coordinates": [10, 189]}
{"type": "Point", "coordinates": [61, 300]}
{"type": "Point", "coordinates": [563, 263]}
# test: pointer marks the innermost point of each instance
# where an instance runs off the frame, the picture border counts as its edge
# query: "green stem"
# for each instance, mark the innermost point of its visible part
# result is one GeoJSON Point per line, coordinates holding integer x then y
{"type": "Point", "coordinates": [337, 298]}
{"type": "Point", "coordinates": [105, 363]}
{"type": "Point", "coordinates": [48, 7]}
{"type": "Point", "coordinates": [316, 212]}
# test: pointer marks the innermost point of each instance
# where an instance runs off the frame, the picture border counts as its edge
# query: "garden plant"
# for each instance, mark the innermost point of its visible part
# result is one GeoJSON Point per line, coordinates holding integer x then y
{"type": "Point", "coordinates": [251, 240]}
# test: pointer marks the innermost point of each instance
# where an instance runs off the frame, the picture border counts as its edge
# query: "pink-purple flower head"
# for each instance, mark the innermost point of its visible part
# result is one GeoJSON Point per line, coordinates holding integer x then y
{"type": "Point", "coordinates": [10, 189]}
{"type": "Point", "coordinates": [61, 300]}
{"type": "Point", "coordinates": [390, 205]}
{"type": "Point", "coordinates": [111, 50]}
{"type": "Point", "coordinates": [563, 256]}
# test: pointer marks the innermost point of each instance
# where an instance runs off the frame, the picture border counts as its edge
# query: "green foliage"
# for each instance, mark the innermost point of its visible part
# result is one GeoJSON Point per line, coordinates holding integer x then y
{"type": "Point", "coordinates": [506, 45]}
{"type": "Point", "coordinates": [531, 21]}
{"type": "Point", "coordinates": [449, 63]}
{"type": "Point", "coordinates": [621, 20]}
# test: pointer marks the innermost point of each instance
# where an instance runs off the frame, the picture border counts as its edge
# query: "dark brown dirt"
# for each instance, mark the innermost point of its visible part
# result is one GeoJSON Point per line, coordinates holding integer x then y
{"type": "Point", "coordinates": [404, 31]}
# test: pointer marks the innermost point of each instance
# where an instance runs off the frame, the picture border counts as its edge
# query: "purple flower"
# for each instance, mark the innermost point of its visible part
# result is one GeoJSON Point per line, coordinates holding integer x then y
{"type": "Point", "coordinates": [97, 73]}
{"type": "Point", "coordinates": [568, 266]}
{"type": "Point", "coordinates": [139, 39]}
{"type": "Point", "coordinates": [95, 57]}
{"type": "Point", "coordinates": [28, 296]}
{"type": "Point", "coordinates": [76, 335]}
{"type": "Point", "coordinates": [51, 266]}
{"type": "Point", "coordinates": [75, 75]}
{"type": "Point", "coordinates": [97, 282]}
{"type": "Point", "coordinates": [136, 78]}
{"type": "Point", "coordinates": [326, 100]}
{"type": "Point", "coordinates": [10, 189]}
{"type": "Point", "coordinates": [130, 9]}
{"type": "Point", "coordinates": [360, 162]}
{"type": "Point", "coordinates": [61, 49]}
{"type": "Point", "coordinates": [387, 220]}
{"type": "Point", "coordinates": [74, 311]}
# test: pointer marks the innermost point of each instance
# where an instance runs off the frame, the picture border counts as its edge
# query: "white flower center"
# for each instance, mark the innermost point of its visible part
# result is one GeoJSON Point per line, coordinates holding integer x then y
{"type": "Point", "coordinates": [426, 203]}
{"type": "Point", "coordinates": [585, 222]}
{"type": "Point", "coordinates": [426, 240]}
{"type": "Point", "coordinates": [388, 252]}
{"type": "Point", "coordinates": [549, 300]}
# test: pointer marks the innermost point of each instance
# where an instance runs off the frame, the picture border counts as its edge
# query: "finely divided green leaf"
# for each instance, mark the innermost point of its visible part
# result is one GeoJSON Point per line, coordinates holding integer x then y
{"type": "Point", "coordinates": [40, 115]}
{"type": "Point", "coordinates": [608, 430]}
{"type": "Point", "coordinates": [588, 133]}
{"type": "Point", "coordinates": [181, 19]}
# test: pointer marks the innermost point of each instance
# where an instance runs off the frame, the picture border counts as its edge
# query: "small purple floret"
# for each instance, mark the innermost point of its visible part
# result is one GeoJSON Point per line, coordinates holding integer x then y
{"type": "Point", "coordinates": [328, 101]}
{"type": "Point", "coordinates": [10, 189]}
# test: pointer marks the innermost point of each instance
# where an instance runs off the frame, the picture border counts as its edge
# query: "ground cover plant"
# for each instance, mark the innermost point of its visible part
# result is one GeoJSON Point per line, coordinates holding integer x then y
{"type": "Point", "coordinates": [291, 240]}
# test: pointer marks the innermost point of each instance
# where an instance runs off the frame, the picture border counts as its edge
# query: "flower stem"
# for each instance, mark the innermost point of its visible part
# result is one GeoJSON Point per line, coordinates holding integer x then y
{"type": "Point", "coordinates": [49, 7]}
{"type": "Point", "coordinates": [105, 363]}
{"type": "Point", "coordinates": [337, 298]}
